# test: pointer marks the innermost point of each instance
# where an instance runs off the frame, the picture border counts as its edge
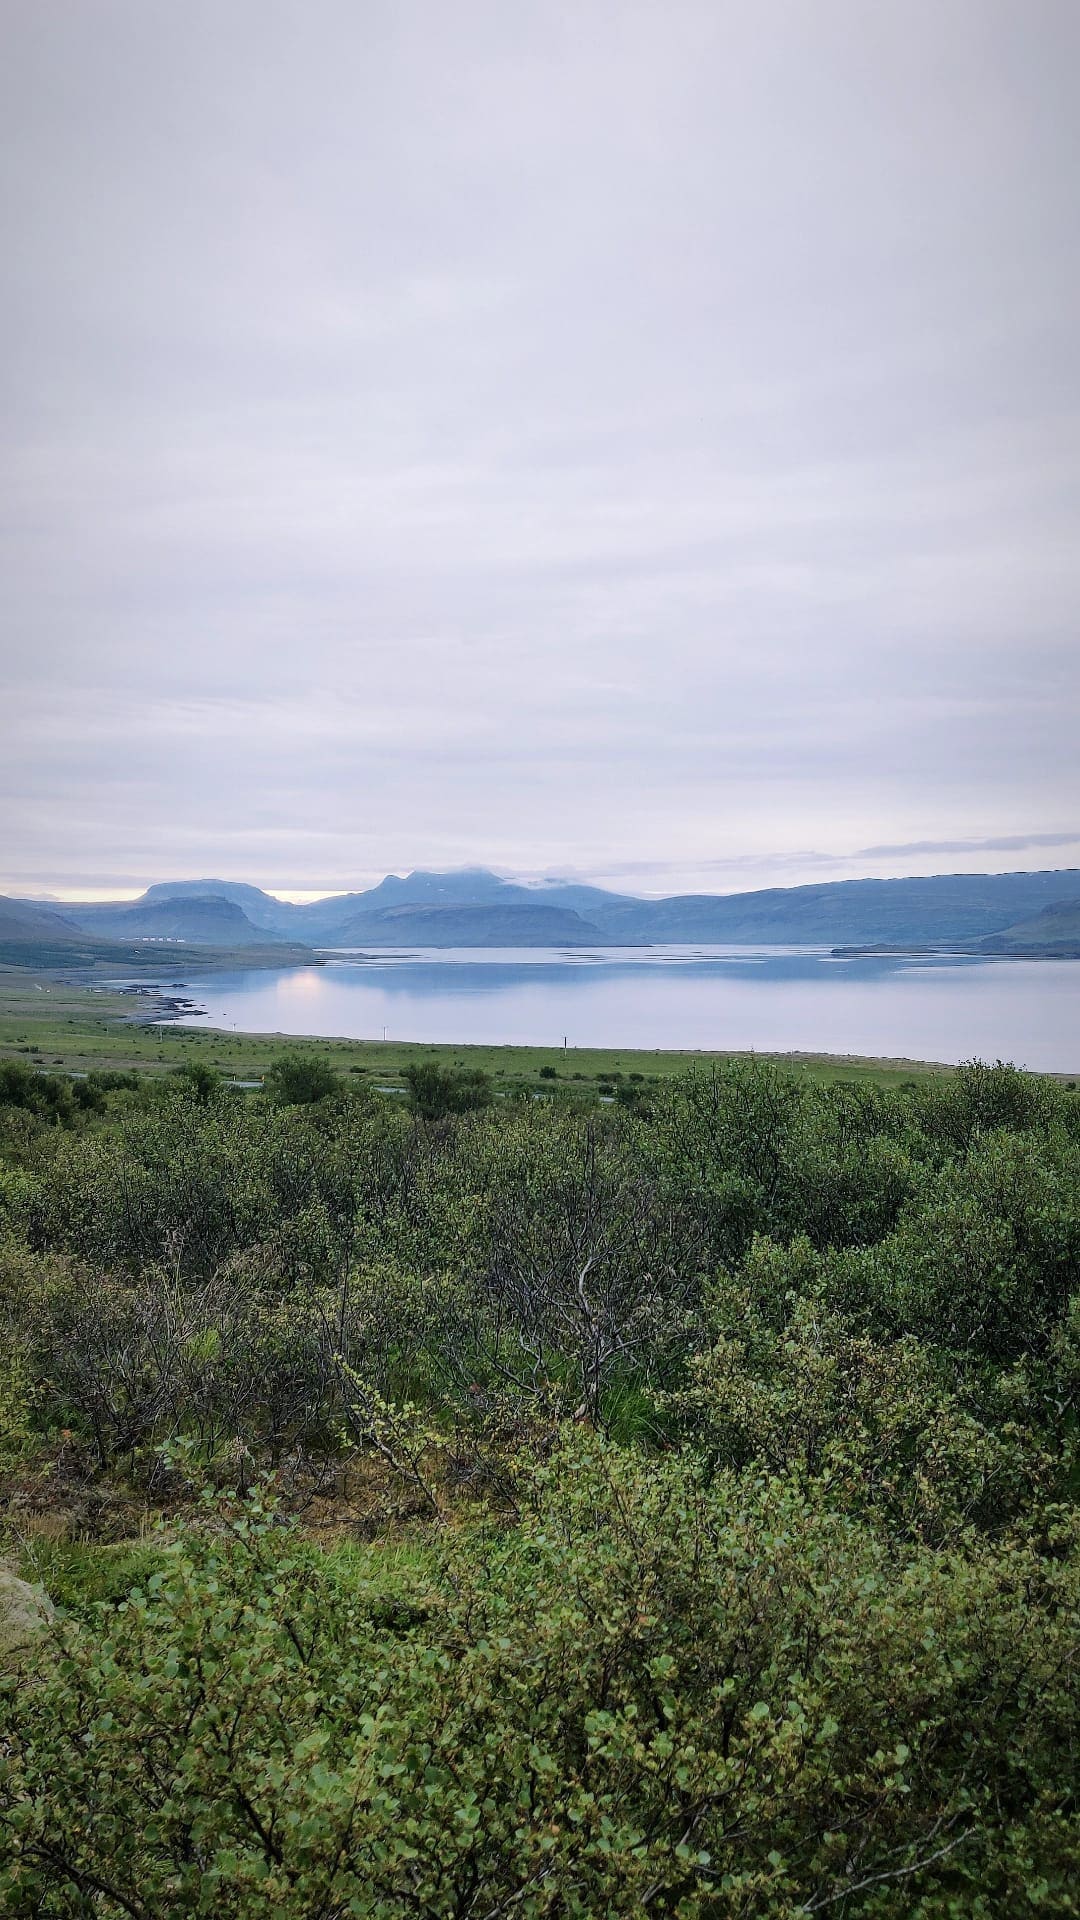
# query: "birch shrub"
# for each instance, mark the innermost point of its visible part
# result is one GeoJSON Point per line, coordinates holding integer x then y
{"type": "Point", "coordinates": [652, 1694]}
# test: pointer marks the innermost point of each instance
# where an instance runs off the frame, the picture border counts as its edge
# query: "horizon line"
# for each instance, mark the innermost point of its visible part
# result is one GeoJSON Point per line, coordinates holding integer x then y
{"type": "Point", "coordinates": [126, 895]}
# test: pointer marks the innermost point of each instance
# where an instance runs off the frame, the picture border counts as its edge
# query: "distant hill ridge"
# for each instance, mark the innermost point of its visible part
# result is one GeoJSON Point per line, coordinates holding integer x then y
{"type": "Point", "coordinates": [475, 907]}
{"type": "Point", "coordinates": [202, 918]}
{"type": "Point", "coordinates": [1054, 931]}
{"type": "Point", "coordinates": [21, 920]}
{"type": "Point", "coordinates": [513, 925]}
{"type": "Point", "coordinates": [37, 937]}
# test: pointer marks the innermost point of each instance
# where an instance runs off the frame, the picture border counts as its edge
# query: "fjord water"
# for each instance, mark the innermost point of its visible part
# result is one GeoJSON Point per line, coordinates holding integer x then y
{"type": "Point", "coordinates": [771, 999]}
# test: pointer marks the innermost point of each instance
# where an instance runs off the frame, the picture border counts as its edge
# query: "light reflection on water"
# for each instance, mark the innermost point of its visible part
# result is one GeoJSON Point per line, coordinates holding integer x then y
{"type": "Point", "coordinates": [773, 999]}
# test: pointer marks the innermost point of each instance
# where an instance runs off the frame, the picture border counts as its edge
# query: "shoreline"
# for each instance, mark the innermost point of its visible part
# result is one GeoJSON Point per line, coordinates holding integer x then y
{"type": "Point", "coordinates": [60, 1024]}
{"type": "Point", "coordinates": [155, 1025]}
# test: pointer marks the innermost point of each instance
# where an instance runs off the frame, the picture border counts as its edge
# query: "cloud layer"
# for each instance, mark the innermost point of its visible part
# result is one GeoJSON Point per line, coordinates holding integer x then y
{"type": "Point", "coordinates": [557, 436]}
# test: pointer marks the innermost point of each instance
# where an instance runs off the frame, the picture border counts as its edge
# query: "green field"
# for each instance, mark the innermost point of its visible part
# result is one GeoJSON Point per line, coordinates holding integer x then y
{"type": "Point", "coordinates": [75, 1027]}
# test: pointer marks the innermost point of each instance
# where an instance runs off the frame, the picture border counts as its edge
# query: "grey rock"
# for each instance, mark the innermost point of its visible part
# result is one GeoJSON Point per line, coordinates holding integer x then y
{"type": "Point", "coordinates": [25, 1613]}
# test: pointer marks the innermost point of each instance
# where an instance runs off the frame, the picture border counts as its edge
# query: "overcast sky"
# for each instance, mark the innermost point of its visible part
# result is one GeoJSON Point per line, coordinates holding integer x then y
{"type": "Point", "coordinates": [639, 441]}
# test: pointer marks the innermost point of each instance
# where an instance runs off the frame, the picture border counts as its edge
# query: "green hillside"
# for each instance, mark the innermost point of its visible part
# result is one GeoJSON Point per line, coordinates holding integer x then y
{"type": "Point", "coordinates": [1055, 933]}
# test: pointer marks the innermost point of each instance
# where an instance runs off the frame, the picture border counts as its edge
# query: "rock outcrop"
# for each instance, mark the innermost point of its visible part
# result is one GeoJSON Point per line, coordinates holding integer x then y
{"type": "Point", "coordinates": [25, 1613]}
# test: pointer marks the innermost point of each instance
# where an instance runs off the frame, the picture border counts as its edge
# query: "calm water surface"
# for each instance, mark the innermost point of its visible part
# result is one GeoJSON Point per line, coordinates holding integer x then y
{"type": "Point", "coordinates": [774, 999]}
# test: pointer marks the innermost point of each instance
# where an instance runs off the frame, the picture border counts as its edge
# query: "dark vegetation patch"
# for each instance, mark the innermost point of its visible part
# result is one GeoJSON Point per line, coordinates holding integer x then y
{"type": "Point", "coordinates": [472, 1505]}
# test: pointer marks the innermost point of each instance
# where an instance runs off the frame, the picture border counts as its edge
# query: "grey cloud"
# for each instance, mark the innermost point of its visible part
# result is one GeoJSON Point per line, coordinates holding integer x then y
{"type": "Point", "coordinates": [1008, 843]}
{"type": "Point", "coordinates": [540, 435]}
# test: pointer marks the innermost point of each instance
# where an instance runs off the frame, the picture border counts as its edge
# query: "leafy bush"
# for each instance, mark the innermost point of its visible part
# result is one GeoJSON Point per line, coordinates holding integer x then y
{"type": "Point", "coordinates": [296, 1081]}
{"type": "Point", "coordinates": [987, 1255]}
{"type": "Point", "coordinates": [893, 1428]}
{"type": "Point", "coordinates": [203, 1081]}
{"type": "Point", "coordinates": [15, 1398]}
{"type": "Point", "coordinates": [651, 1694]}
{"type": "Point", "coordinates": [436, 1092]}
{"type": "Point", "coordinates": [49, 1095]}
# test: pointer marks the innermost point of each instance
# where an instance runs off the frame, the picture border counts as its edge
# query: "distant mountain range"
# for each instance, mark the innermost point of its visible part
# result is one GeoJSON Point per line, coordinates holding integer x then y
{"type": "Point", "coordinates": [1002, 913]}
{"type": "Point", "coordinates": [472, 909]}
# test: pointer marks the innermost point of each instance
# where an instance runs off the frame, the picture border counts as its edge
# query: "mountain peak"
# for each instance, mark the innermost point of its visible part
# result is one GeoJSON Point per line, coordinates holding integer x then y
{"type": "Point", "coordinates": [465, 886]}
